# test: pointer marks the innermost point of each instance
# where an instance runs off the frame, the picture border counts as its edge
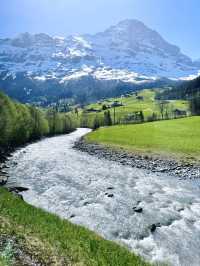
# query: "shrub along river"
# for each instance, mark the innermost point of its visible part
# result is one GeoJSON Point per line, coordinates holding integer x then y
{"type": "Point", "coordinates": [155, 215]}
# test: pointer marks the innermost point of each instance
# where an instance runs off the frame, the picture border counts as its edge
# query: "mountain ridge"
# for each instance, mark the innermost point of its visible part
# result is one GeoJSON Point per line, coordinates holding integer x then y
{"type": "Point", "coordinates": [128, 52]}
{"type": "Point", "coordinates": [128, 45]}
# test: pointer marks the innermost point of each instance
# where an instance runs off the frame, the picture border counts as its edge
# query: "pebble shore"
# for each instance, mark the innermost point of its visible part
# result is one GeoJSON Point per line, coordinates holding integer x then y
{"type": "Point", "coordinates": [172, 167]}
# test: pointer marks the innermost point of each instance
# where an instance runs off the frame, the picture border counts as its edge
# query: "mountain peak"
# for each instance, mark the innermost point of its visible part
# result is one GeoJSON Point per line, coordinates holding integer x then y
{"type": "Point", "coordinates": [134, 35]}
{"type": "Point", "coordinates": [131, 22]}
{"type": "Point", "coordinates": [131, 25]}
{"type": "Point", "coordinates": [136, 32]}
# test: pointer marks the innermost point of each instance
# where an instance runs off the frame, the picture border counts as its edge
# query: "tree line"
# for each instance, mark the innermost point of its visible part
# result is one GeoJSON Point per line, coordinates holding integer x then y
{"type": "Point", "coordinates": [106, 119]}
{"type": "Point", "coordinates": [20, 123]}
{"type": "Point", "coordinates": [195, 104]}
{"type": "Point", "coordinates": [184, 90]}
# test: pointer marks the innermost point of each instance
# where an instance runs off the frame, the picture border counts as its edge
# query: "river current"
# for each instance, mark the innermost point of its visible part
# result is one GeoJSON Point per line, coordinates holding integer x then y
{"type": "Point", "coordinates": [118, 202]}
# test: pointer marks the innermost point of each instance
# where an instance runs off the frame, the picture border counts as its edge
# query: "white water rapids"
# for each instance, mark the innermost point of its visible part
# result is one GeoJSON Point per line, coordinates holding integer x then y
{"type": "Point", "coordinates": [101, 195]}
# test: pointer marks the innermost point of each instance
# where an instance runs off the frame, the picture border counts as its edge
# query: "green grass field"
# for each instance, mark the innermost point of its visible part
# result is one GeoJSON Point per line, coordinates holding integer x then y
{"type": "Point", "coordinates": [131, 104]}
{"type": "Point", "coordinates": [3, 262]}
{"type": "Point", "coordinates": [178, 137]}
{"type": "Point", "coordinates": [58, 242]}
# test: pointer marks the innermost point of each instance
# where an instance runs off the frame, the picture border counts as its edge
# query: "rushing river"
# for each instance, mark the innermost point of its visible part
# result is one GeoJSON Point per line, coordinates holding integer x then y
{"type": "Point", "coordinates": [101, 195]}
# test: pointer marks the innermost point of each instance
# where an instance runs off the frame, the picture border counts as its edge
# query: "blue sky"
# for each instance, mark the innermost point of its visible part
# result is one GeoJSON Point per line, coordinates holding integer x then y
{"type": "Point", "coordinates": [178, 21]}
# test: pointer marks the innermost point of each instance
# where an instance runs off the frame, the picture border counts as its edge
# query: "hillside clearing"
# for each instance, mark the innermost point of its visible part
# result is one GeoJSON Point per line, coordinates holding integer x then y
{"type": "Point", "coordinates": [123, 109]}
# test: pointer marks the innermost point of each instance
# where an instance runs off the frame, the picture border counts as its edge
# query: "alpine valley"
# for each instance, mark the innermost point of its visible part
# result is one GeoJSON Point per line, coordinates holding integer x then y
{"type": "Point", "coordinates": [40, 68]}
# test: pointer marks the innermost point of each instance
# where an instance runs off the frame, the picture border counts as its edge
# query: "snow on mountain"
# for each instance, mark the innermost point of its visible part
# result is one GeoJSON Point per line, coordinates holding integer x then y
{"type": "Point", "coordinates": [129, 46]}
{"type": "Point", "coordinates": [107, 73]}
{"type": "Point", "coordinates": [127, 53]}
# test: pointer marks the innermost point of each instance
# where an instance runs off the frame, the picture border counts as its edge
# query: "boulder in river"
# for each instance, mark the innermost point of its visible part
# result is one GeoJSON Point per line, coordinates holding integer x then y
{"type": "Point", "coordinates": [154, 226]}
{"type": "Point", "coordinates": [3, 180]}
{"type": "Point", "coordinates": [18, 189]}
{"type": "Point", "coordinates": [138, 209]}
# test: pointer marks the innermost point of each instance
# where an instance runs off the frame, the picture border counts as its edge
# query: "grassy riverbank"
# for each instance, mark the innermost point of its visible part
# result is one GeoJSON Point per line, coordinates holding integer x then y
{"type": "Point", "coordinates": [54, 241]}
{"type": "Point", "coordinates": [179, 137]}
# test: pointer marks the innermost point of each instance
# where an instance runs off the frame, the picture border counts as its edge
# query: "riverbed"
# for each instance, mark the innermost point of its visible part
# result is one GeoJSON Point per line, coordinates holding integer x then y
{"type": "Point", "coordinates": [154, 214]}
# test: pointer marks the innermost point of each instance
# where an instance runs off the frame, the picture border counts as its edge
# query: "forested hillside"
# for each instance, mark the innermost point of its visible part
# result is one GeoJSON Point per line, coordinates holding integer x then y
{"type": "Point", "coordinates": [21, 123]}
{"type": "Point", "coordinates": [186, 90]}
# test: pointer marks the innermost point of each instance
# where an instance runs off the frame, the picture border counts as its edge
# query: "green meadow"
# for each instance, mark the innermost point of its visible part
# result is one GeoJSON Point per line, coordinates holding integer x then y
{"type": "Point", "coordinates": [178, 137]}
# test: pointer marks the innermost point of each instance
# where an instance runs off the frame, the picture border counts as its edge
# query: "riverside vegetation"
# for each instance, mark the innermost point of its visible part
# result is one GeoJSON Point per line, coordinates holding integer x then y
{"type": "Point", "coordinates": [21, 123]}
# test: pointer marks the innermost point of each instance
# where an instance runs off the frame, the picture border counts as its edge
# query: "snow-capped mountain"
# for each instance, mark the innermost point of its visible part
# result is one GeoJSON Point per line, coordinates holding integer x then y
{"type": "Point", "coordinates": [129, 45]}
{"type": "Point", "coordinates": [129, 52]}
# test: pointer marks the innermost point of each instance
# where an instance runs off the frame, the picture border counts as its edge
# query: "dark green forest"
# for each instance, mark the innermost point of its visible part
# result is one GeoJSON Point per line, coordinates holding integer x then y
{"type": "Point", "coordinates": [20, 123]}
{"type": "Point", "coordinates": [186, 90]}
